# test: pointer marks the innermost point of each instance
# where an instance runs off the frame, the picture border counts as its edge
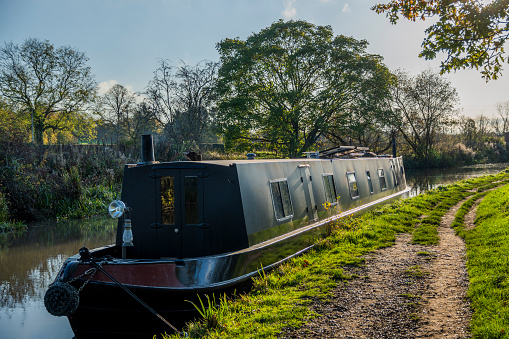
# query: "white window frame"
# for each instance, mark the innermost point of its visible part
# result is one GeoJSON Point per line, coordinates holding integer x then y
{"type": "Point", "coordinates": [335, 193]}
{"type": "Point", "coordinates": [370, 181]}
{"type": "Point", "coordinates": [285, 217]}
{"type": "Point", "coordinates": [382, 176]}
{"type": "Point", "coordinates": [349, 187]}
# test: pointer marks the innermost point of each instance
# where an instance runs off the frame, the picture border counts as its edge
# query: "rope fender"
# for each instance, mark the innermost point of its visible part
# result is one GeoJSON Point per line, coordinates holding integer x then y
{"type": "Point", "coordinates": [61, 299]}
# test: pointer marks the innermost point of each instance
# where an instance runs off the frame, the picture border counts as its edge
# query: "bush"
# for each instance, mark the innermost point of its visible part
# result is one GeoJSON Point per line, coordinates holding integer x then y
{"type": "Point", "coordinates": [4, 209]}
{"type": "Point", "coordinates": [50, 182]}
{"type": "Point", "coordinates": [459, 155]}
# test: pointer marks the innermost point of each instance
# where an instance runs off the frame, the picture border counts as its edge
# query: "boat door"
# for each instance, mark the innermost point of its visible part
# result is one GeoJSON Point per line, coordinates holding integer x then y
{"type": "Point", "coordinates": [179, 213]}
{"type": "Point", "coordinates": [307, 185]}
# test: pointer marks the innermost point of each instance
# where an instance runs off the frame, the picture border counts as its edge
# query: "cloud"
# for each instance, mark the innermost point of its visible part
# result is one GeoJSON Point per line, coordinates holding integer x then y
{"type": "Point", "coordinates": [105, 86]}
{"type": "Point", "coordinates": [290, 10]}
{"type": "Point", "coordinates": [346, 8]}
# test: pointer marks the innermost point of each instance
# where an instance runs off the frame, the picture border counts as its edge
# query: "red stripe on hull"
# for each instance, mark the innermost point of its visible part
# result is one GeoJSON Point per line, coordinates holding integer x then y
{"type": "Point", "coordinates": [149, 274]}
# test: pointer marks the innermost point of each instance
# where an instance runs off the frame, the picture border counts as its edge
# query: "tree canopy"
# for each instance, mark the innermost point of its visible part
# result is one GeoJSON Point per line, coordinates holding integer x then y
{"type": "Point", "coordinates": [52, 86]}
{"type": "Point", "coordinates": [116, 106]}
{"type": "Point", "coordinates": [422, 106]}
{"type": "Point", "coordinates": [293, 83]}
{"type": "Point", "coordinates": [182, 100]}
{"type": "Point", "coordinates": [472, 33]}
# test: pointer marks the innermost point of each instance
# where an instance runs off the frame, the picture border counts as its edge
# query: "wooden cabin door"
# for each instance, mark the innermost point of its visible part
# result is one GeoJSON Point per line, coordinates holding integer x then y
{"type": "Point", "coordinates": [307, 186]}
{"type": "Point", "coordinates": [180, 212]}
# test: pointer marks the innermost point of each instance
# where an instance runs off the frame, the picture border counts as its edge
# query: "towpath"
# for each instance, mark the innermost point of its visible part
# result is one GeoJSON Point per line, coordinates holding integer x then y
{"type": "Point", "coordinates": [402, 291]}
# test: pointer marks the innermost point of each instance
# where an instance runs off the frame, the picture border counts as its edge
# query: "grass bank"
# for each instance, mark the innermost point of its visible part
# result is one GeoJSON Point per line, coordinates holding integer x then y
{"type": "Point", "coordinates": [488, 262]}
{"type": "Point", "coordinates": [281, 298]}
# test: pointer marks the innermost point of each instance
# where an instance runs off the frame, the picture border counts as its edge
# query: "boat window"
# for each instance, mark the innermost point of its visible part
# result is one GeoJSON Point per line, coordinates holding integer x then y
{"type": "Point", "coordinates": [381, 176]}
{"type": "Point", "coordinates": [330, 189]}
{"type": "Point", "coordinates": [352, 185]}
{"type": "Point", "coordinates": [168, 200]}
{"type": "Point", "coordinates": [191, 200]}
{"type": "Point", "coordinates": [370, 184]}
{"type": "Point", "coordinates": [281, 199]}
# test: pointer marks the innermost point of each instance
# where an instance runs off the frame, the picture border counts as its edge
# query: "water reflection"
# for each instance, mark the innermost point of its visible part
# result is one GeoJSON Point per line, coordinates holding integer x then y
{"type": "Point", "coordinates": [29, 264]}
{"type": "Point", "coordinates": [424, 180]}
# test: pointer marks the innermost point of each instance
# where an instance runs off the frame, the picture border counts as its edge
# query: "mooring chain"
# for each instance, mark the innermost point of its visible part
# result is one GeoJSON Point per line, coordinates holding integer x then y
{"type": "Point", "coordinates": [90, 271]}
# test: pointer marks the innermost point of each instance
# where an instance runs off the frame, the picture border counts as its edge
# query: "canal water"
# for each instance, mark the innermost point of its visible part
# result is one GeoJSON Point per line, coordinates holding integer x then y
{"type": "Point", "coordinates": [29, 264]}
{"type": "Point", "coordinates": [426, 179]}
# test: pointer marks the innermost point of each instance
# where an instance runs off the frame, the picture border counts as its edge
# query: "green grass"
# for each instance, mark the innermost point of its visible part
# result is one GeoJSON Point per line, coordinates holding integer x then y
{"type": "Point", "coordinates": [488, 263]}
{"type": "Point", "coordinates": [281, 298]}
{"type": "Point", "coordinates": [426, 233]}
{"type": "Point", "coordinates": [416, 271]}
{"type": "Point", "coordinates": [410, 296]}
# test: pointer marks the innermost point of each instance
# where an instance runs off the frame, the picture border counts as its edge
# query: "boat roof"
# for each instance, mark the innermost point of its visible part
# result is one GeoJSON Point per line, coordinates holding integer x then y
{"type": "Point", "coordinates": [248, 161]}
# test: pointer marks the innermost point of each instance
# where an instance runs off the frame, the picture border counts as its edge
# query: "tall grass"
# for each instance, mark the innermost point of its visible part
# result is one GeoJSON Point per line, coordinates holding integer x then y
{"type": "Point", "coordinates": [60, 182]}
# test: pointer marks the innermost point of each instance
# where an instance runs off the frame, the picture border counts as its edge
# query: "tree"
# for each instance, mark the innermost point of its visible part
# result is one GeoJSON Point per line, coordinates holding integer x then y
{"type": "Point", "coordinates": [292, 83]}
{"type": "Point", "coordinates": [52, 85]}
{"type": "Point", "coordinates": [422, 107]}
{"type": "Point", "coordinates": [142, 121]}
{"type": "Point", "coordinates": [472, 33]}
{"type": "Point", "coordinates": [368, 123]}
{"type": "Point", "coordinates": [483, 126]}
{"type": "Point", "coordinates": [468, 129]}
{"type": "Point", "coordinates": [503, 112]}
{"type": "Point", "coordinates": [194, 102]}
{"type": "Point", "coordinates": [12, 128]}
{"type": "Point", "coordinates": [160, 93]}
{"type": "Point", "coordinates": [182, 100]}
{"type": "Point", "coordinates": [117, 103]}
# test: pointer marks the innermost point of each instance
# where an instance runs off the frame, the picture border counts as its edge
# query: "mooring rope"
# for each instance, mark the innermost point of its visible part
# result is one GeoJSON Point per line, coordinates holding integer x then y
{"type": "Point", "coordinates": [85, 255]}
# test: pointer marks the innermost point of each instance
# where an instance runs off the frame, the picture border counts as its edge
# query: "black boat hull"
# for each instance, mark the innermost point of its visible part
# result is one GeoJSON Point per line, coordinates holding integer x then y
{"type": "Point", "coordinates": [107, 310]}
{"type": "Point", "coordinates": [203, 228]}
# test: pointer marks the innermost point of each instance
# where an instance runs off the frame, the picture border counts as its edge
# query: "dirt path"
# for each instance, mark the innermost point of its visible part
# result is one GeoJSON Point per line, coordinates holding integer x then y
{"type": "Point", "coordinates": [446, 312]}
{"type": "Point", "coordinates": [470, 217]}
{"type": "Point", "coordinates": [403, 291]}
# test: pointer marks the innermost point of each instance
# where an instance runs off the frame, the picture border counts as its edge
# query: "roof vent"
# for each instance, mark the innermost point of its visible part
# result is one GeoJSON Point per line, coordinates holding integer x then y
{"type": "Point", "coordinates": [251, 156]}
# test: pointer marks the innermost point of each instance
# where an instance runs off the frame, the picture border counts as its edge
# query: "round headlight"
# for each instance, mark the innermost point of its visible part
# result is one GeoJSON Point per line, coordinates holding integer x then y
{"type": "Point", "coordinates": [116, 208]}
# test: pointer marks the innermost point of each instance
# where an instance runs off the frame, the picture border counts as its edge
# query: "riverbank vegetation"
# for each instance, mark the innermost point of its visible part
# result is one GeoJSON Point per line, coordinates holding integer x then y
{"type": "Point", "coordinates": [487, 262]}
{"type": "Point", "coordinates": [39, 182]}
{"type": "Point", "coordinates": [280, 299]}
{"type": "Point", "coordinates": [290, 88]}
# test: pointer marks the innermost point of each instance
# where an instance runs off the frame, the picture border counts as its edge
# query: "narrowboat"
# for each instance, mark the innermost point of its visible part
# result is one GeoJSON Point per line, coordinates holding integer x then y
{"type": "Point", "coordinates": [192, 228]}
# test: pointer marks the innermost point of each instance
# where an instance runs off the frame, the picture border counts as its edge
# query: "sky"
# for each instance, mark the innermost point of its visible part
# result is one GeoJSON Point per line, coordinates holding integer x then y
{"type": "Point", "coordinates": [125, 39]}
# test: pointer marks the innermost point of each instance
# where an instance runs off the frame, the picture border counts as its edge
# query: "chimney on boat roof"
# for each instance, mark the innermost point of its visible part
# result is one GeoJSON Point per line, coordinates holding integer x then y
{"type": "Point", "coordinates": [147, 149]}
{"type": "Point", "coordinates": [394, 155]}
